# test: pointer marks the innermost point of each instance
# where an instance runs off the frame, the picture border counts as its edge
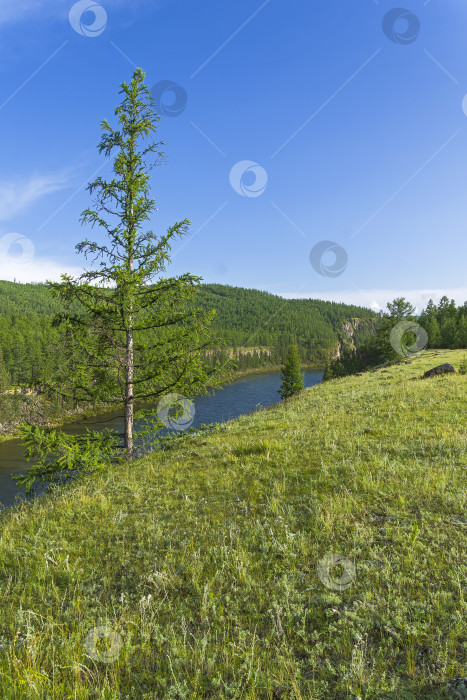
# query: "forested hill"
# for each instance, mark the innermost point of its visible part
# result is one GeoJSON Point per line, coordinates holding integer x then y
{"type": "Point", "coordinates": [245, 317]}
{"type": "Point", "coordinates": [254, 318]}
{"type": "Point", "coordinates": [27, 299]}
{"type": "Point", "coordinates": [238, 309]}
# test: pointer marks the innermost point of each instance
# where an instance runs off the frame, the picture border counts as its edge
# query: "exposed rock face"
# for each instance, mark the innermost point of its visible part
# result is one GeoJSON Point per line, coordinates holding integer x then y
{"type": "Point", "coordinates": [242, 351]}
{"type": "Point", "coordinates": [440, 369]}
{"type": "Point", "coordinates": [353, 334]}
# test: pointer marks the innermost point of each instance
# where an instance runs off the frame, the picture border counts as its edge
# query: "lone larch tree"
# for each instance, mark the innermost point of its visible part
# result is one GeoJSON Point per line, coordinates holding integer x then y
{"type": "Point", "coordinates": [131, 334]}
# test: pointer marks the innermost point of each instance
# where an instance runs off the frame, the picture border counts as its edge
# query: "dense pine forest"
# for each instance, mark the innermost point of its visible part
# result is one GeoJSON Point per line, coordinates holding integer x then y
{"type": "Point", "coordinates": [256, 326]}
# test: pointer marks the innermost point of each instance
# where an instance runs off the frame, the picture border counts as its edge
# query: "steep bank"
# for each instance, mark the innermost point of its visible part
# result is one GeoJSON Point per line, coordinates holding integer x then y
{"type": "Point", "coordinates": [34, 409]}
{"type": "Point", "coordinates": [353, 333]}
{"type": "Point", "coordinates": [208, 568]}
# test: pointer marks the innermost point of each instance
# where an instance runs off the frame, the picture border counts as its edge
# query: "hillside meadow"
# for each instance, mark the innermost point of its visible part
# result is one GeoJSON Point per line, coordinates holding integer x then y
{"type": "Point", "coordinates": [206, 571]}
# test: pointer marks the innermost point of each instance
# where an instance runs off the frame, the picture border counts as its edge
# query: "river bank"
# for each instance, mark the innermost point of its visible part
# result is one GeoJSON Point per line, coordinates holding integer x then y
{"type": "Point", "coordinates": [242, 396]}
{"type": "Point", "coordinates": [34, 408]}
{"type": "Point", "coordinates": [274, 368]}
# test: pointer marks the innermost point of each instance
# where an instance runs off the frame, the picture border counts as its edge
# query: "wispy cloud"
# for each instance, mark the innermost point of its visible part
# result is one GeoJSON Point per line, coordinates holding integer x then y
{"type": "Point", "coordinates": [378, 298]}
{"type": "Point", "coordinates": [37, 270]}
{"type": "Point", "coordinates": [17, 194]}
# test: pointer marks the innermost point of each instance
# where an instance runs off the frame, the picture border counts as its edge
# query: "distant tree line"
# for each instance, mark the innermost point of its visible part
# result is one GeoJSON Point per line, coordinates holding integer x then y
{"type": "Point", "coordinates": [445, 324]}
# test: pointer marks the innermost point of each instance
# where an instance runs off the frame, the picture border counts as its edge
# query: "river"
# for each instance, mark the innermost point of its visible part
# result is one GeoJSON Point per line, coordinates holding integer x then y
{"type": "Point", "coordinates": [242, 396]}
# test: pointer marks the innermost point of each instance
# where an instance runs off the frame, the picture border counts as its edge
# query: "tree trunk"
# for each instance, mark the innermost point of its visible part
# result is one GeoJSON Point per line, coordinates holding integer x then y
{"type": "Point", "coordinates": [129, 401]}
{"type": "Point", "coordinates": [129, 361]}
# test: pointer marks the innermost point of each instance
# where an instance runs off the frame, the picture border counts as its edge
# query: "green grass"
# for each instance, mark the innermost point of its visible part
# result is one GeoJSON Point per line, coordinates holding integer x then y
{"type": "Point", "coordinates": [204, 560]}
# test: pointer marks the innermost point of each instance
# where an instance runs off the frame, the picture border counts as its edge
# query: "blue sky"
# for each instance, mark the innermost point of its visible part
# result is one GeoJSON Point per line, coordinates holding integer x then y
{"type": "Point", "coordinates": [343, 133]}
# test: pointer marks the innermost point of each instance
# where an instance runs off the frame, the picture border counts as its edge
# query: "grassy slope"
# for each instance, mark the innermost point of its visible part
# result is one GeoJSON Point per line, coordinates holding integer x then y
{"type": "Point", "coordinates": [204, 559]}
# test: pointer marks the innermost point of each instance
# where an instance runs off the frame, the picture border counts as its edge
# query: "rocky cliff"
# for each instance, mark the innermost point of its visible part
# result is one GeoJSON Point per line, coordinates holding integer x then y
{"type": "Point", "coordinates": [354, 332]}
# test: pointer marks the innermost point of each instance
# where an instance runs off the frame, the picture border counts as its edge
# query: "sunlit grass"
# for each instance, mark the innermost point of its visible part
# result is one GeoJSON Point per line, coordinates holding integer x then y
{"type": "Point", "coordinates": [201, 563]}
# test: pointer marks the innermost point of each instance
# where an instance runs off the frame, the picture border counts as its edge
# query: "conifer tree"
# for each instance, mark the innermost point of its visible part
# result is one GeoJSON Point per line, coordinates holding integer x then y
{"type": "Point", "coordinates": [448, 333]}
{"type": "Point", "coordinates": [462, 332]}
{"type": "Point", "coordinates": [400, 309]}
{"type": "Point", "coordinates": [4, 377]}
{"type": "Point", "coordinates": [434, 334]}
{"type": "Point", "coordinates": [137, 336]}
{"type": "Point", "coordinates": [292, 377]}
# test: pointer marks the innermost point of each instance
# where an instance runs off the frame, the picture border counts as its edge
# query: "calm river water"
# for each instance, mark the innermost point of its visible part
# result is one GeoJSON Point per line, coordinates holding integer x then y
{"type": "Point", "coordinates": [238, 398]}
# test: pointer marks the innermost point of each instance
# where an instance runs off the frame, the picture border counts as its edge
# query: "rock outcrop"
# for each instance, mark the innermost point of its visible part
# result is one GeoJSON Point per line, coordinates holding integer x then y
{"type": "Point", "coordinates": [354, 332]}
{"type": "Point", "coordinates": [440, 369]}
